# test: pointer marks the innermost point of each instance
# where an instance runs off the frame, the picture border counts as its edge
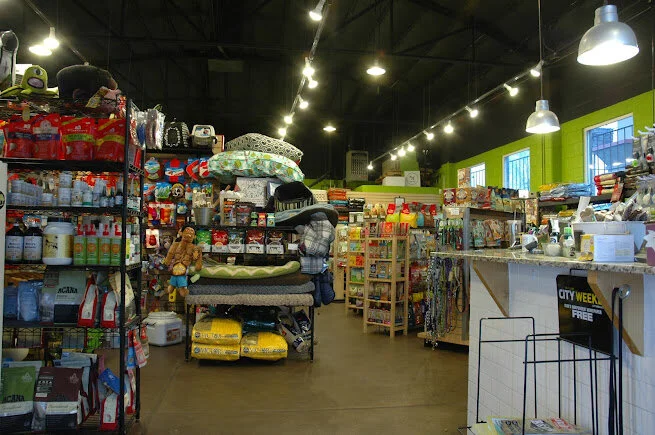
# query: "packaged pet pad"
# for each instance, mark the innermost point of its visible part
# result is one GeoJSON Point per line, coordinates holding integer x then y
{"type": "Point", "coordinates": [216, 330]}
{"type": "Point", "coordinates": [264, 345]}
{"type": "Point", "coordinates": [17, 403]}
{"type": "Point", "coordinates": [223, 352]}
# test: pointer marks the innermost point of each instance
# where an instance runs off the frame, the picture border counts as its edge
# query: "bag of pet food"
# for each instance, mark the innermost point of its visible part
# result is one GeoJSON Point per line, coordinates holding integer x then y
{"type": "Point", "coordinates": [18, 139]}
{"type": "Point", "coordinates": [78, 137]}
{"type": "Point", "coordinates": [57, 399]}
{"type": "Point", "coordinates": [29, 295]}
{"type": "Point", "coordinates": [217, 330]}
{"type": "Point", "coordinates": [109, 310]}
{"type": "Point", "coordinates": [45, 132]}
{"type": "Point", "coordinates": [218, 352]}
{"type": "Point", "coordinates": [89, 306]}
{"type": "Point", "coordinates": [109, 413]}
{"type": "Point", "coordinates": [88, 363]}
{"type": "Point", "coordinates": [110, 140]}
{"type": "Point", "coordinates": [264, 345]}
{"type": "Point", "coordinates": [17, 404]}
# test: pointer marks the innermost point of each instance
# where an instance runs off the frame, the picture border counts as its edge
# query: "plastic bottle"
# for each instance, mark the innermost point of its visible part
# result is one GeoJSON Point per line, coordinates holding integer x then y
{"type": "Point", "coordinates": [105, 246]}
{"type": "Point", "coordinates": [33, 243]}
{"type": "Point", "coordinates": [79, 246]}
{"type": "Point", "coordinates": [58, 242]}
{"type": "Point", "coordinates": [92, 247]}
{"type": "Point", "coordinates": [116, 239]}
{"type": "Point", "coordinates": [569, 242]}
{"type": "Point", "coordinates": [14, 244]}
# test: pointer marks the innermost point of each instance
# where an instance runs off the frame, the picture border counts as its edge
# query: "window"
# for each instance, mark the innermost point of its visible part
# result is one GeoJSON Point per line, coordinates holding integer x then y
{"type": "Point", "coordinates": [608, 146]}
{"type": "Point", "coordinates": [478, 173]}
{"type": "Point", "coordinates": [516, 170]}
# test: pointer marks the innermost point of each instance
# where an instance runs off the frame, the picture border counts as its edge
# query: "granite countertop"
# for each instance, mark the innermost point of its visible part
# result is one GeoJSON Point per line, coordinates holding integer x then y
{"type": "Point", "coordinates": [516, 256]}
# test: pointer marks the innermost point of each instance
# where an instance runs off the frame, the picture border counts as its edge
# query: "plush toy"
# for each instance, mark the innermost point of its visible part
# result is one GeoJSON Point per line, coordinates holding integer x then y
{"type": "Point", "coordinates": [34, 82]}
{"type": "Point", "coordinates": [83, 81]}
{"type": "Point", "coordinates": [8, 50]}
{"type": "Point", "coordinates": [178, 260]}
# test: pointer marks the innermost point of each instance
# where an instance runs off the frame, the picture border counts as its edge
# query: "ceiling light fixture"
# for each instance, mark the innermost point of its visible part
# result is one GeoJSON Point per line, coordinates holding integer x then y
{"type": "Point", "coordinates": [51, 41]}
{"type": "Point", "coordinates": [375, 69]}
{"type": "Point", "coordinates": [429, 135]}
{"type": "Point", "coordinates": [392, 156]}
{"type": "Point", "coordinates": [312, 84]}
{"type": "Point", "coordinates": [448, 129]}
{"type": "Point", "coordinates": [316, 14]}
{"type": "Point", "coordinates": [40, 50]}
{"type": "Point", "coordinates": [473, 113]}
{"type": "Point", "coordinates": [542, 120]}
{"type": "Point", "coordinates": [609, 41]}
{"type": "Point", "coordinates": [282, 131]}
{"type": "Point", "coordinates": [370, 166]}
{"type": "Point", "coordinates": [410, 147]}
{"type": "Point", "coordinates": [308, 71]}
{"type": "Point", "coordinates": [536, 70]}
{"type": "Point", "coordinates": [303, 104]}
{"type": "Point", "coordinates": [402, 152]}
{"type": "Point", "coordinates": [329, 128]}
{"type": "Point", "coordinates": [288, 119]}
{"type": "Point", "coordinates": [512, 90]}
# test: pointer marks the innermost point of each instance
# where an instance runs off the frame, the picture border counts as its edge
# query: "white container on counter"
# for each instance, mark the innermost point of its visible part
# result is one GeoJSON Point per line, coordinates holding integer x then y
{"type": "Point", "coordinates": [58, 242]}
{"type": "Point", "coordinates": [164, 328]}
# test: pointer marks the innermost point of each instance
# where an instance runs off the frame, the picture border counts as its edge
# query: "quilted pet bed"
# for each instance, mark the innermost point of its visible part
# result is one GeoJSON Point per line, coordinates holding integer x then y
{"type": "Point", "coordinates": [257, 300]}
{"type": "Point", "coordinates": [228, 271]}
{"type": "Point", "coordinates": [264, 289]}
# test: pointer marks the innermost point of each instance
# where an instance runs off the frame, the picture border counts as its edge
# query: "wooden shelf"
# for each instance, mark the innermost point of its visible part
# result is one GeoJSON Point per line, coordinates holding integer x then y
{"type": "Point", "coordinates": [398, 281]}
{"type": "Point", "coordinates": [384, 325]}
{"type": "Point", "coordinates": [354, 307]}
{"type": "Point", "coordinates": [357, 282]}
{"type": "Point", "coordinates": [377, 301]}
{"type": "Point", "coordinates": [450, 338]}
{"type": "Point", "coordinates": [574, 201]}
{"type": "Point", "coordinates": [355, 297]}
{"type": "Point", "coordinates": [384, 259]}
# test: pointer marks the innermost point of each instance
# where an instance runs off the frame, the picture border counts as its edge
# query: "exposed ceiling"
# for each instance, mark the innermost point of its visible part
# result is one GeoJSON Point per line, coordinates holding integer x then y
{"type": "Point", "coordinates": [237, 64]}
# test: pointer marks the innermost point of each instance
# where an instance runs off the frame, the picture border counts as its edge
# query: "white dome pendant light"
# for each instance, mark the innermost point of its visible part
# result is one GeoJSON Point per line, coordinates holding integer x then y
{"type": "Point", "coordinates": [609, 41]}
{"type": "Point", "coordinates": [542, 120]}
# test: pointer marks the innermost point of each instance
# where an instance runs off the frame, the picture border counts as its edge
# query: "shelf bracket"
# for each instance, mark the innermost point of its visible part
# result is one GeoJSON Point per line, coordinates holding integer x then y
{"type": "Point", "coordinates": [495, 278]}
{"type": "Point", "coordinates": [602, 283]}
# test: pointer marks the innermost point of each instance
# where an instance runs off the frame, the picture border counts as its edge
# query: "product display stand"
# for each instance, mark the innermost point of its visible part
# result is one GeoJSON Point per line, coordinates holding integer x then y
{"type": "Point", "coordinates": [386, 283]}
{"type": "Point", "coordinates": [36, 332]}
{"type": "Point", "coordinates": [355, 271]}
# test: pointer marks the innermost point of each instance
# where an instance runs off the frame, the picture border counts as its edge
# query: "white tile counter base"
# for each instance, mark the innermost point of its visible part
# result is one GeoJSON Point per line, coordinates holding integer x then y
{"type": "Point", "coordinates": [533, 293]}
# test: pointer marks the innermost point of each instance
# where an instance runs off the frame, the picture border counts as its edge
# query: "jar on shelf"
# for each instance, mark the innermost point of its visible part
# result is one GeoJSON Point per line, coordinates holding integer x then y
{"type": "Point", "coordinates": [58, 242]}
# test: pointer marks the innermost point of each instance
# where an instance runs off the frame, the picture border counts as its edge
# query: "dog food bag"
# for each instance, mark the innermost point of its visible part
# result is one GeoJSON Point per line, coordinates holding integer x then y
{"type": "Point", "coordinates": [217, 330]}
{"type": "Point", "coordinates": [110, 140]}
{"type": "Point", "coordinates": [219, 352]}
{"type": "Point", "coordinates": [57, 399]}
{"type": "Point", "coordinates": [78, 137]}
{"type": "Point", "coordinates": [264, 345]}
{"type": "Point", "coordinates": [18, 139]}
{"type": "Point", "coordinates": [17, 404]}
{"type": "Point", "coordinates": [45, 132]}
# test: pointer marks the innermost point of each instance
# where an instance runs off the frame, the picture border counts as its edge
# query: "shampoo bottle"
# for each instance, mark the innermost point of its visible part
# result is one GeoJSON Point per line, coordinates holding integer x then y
{"type": "Point", "coordinates": [105, 245]}
{"type": "Point", "coordinates": [79, 246]}
{"type": "Point", "coordinates": [92, 248]}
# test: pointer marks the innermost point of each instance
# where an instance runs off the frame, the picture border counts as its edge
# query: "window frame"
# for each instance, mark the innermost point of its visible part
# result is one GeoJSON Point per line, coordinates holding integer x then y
{"type": "Point", "coordinates": [505, 181]}
{"type": "Point", "coordinates": [484, 164]}
{"type": "Point", "coordinates": [585, 132]}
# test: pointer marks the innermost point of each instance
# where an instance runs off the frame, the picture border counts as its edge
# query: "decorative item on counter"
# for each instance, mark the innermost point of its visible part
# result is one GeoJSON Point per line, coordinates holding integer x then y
{"type": "Point", "coordinates": [180, 257]}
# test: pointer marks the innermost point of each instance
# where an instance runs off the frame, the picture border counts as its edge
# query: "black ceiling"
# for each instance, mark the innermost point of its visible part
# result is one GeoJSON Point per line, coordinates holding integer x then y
{"type": "Point", "coordinates": [236, 64]}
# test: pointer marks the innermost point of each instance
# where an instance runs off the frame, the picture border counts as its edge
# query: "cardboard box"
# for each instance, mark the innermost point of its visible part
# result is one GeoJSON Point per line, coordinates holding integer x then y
{"type": "Point", "coordinates": [393, 181]}
{"type": "Point", "coordinates": [614, 248]}
{"type": "Point", "coordinates": [413, 178]}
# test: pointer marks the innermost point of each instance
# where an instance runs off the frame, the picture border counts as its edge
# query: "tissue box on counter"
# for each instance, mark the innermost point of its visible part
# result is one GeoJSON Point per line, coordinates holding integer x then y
{"type": "Point", "coordinates": [614, 248]}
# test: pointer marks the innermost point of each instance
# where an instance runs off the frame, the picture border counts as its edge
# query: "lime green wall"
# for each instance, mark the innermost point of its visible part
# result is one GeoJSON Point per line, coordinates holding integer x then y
{"type": "Point", "coordinates": [397, 189]}
{"type": "Point", "coordinates": [562, 153]}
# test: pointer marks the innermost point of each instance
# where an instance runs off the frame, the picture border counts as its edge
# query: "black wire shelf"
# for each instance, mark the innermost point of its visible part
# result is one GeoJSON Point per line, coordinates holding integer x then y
{"type": "Point", "coordinates": [30, 267]}
{"type": "Point", "coordinates": [53, 209]}
{"type": "Point", "coordinates": [70, 165]}
{"type": "Point", "coordinates": [21, 324]}
{"type": "Point", "coordinates": [199, 152]}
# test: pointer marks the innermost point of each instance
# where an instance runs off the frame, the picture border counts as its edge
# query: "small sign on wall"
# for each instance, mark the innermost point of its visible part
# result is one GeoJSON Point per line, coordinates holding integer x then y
{"type": "Point", "coordinates": [580, 311]}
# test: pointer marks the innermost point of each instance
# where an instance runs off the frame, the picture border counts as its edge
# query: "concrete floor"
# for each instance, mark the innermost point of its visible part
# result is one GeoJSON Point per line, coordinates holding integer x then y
{"type": "Point", "coordinates": [357, 384]}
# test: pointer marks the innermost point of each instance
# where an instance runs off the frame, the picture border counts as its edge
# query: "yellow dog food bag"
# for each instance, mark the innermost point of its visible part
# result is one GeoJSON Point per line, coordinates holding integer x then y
{"type": "Point", "coordinates": [264, 345]}
{"type": "Point", "coordinates": [217, 330]}
{"type": "Point", "coordinates": [222, 352]}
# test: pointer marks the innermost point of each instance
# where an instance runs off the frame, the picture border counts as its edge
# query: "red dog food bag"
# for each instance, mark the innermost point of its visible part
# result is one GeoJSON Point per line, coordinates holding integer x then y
{"type": "Point", "coordinates": [110, 140]}
{"type": "Point", "coordinates": [45, 131]}
{"type": "Point", "coordinates": [78, 137]}
{"type": "Point", "coordinates": [18, 139]}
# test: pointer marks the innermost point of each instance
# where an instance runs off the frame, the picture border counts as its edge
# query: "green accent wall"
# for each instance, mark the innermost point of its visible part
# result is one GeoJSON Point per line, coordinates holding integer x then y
{"type": "Point", "coordinates": [397, 189]}
{"type": "Point", "coordinates": [561, 155]}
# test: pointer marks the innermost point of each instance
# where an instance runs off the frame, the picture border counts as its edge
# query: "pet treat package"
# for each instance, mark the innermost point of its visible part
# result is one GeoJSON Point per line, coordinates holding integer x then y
{"type": "Point", "coordinates": [88, 363]}
{"type": "Point", "coordinates": [109, 310]}
{"type": "Point", "coordinates": [109, 413]}
{"type": "Point", "coordinates": [10, 304]}
{"type": "Point", "coordinates": [216, 330]}
{"type": "Point", "coordinates": [29, 296]}
{"type": "Point", "coordinates": [110, 140]}
{"type": "Point", "coordinates": [219, 352]}
{"type": "Point", "coordinates": [57, 399]}
{"type": "Point", "coordinates": [89, 306]}
{"type": "Point", "coordinates": [18, 139]}
{"type": "Point", "coordinates": [17, 404]}
{"type": "Point", "coordinates": [68, 287]}
{"type": "Point", "coordinates": [78, 137]}
{"type": "Point", "coordinates": [264, 345]}
{"type": "Point", "coordinates": [45, 132]}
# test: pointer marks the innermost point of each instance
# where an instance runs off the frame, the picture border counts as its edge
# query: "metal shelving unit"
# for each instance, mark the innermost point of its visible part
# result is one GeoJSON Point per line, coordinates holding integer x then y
{"type": "Point", "coordinates": [40, 332]}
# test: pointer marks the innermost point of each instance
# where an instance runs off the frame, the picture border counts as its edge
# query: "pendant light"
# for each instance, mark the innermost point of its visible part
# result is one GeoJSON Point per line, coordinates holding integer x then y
{"type": "Point", "coordinates": [316, 14]}
{"type": "Point", "coordinates": [609, 41]}
{"type": "Point", "coordinates": [542, 120]}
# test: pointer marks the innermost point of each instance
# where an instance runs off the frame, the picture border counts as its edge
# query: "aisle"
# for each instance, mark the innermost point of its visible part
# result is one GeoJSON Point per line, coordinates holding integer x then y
{"type": "Point", "coordinates": [357, 384]}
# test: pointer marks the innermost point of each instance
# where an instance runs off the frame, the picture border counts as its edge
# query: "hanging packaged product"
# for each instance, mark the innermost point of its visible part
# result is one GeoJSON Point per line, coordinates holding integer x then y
{"type": "Point", "coordinates": [33, 242]}
{"type": "Point", "coordinates": [110, 140]}
{"type": "Point", "coordinates": [89, 307]}
{"type": "Point", "coordinates": [45, 132]}
{"type": "Point", "coordinates": [14, 240]}
{"type": "Point", "coordinates": [58, 242]}
{"type": "Point", "coordinates": [78, 137]}
{"type": "Point", "coordinates": [18, 139]}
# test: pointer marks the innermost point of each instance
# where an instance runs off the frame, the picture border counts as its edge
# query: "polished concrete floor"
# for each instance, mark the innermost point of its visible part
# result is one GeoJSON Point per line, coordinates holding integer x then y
{"type": "Point", "coordinates": [357, 384]}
